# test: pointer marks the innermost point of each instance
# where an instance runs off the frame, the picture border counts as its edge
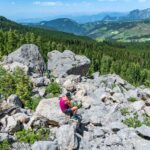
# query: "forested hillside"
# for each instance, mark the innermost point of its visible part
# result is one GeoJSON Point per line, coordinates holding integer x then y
{"type": "Point", "coordinates": [129, 60]}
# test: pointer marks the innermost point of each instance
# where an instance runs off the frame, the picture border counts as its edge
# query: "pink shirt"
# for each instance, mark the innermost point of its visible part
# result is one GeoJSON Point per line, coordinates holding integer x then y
{"type": "Point", "coordinates": [62, 104]}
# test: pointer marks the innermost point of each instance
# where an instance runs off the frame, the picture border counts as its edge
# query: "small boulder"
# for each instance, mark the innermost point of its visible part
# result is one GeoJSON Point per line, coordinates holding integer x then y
{"type": "Point", "coordinates": [44, 145]}
{"type": "Point", "coordinates": [147, 110]}
{"type": "Point", "coordinates": [14, 100]}
{"type": "Point", "coordinates": [67, 140]}
{"type": "Point", "coordinates": [23, 118]}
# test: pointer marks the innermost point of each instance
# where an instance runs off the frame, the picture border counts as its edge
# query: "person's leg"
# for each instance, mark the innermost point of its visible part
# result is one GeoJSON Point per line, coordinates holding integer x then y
{"type": "Point", "coordinates": [74, 109]}
{"type": "Point", "coordinates": [69, 112]}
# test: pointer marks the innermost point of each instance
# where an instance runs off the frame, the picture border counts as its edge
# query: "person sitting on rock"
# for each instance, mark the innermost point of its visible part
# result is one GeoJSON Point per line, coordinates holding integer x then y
{"type": "Point", "coordinates": [67, 106]}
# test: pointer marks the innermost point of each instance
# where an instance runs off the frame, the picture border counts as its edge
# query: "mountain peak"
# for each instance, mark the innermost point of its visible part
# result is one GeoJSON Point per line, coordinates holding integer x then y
{"type": "Point", "coordinates": [64, 24]}
{"type": "Point", "coordinates": [139, 14]}
{"type": "Point", "coordinates": [2, 18]}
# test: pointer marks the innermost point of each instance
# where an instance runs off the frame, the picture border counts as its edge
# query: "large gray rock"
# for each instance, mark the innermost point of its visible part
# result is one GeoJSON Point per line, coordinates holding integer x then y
{"type": "Point", "coordinates": [66, 63]}
{"type": "Point", "coordinates": [44, 145]}
{"type": "Point", "coordinates": [66, 137]}
{"type": "Point", "coordinates": [49, 108]}
{"type": "Point", "coordinates": [27, 54]}
{"type": "Point", "coordinates": [14, 100]}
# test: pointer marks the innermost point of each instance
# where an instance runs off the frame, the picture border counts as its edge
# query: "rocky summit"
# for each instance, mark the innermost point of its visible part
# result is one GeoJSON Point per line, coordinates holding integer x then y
{"type": "Point", "coordinates": [114, 114]}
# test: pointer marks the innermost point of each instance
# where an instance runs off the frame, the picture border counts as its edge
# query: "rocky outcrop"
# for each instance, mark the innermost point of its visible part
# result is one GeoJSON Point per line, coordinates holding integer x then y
{"type": "Point", "coordinates": [27, 55]}
{"type": "Point", "coordinates": [114, 114]}
{"type": "Point", "coordinates": [66, 63]}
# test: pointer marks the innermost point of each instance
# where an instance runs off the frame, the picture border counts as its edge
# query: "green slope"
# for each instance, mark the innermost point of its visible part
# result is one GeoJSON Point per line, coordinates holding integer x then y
{"type": "Point", "coordinates": [119, 31]}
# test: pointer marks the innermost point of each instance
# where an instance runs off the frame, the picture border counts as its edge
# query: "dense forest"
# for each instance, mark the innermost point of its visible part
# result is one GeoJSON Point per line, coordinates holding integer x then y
{"type": "Point", "coordinates": [129, 60]}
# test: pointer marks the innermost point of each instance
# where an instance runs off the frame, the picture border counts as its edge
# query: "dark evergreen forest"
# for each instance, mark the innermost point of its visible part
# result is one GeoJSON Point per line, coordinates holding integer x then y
{"type": "Point", "coordinates": [129, 60]}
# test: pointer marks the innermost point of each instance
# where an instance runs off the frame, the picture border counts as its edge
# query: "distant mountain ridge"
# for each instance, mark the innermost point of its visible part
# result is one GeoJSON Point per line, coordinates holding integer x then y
{"type": "Point", "coordinates": [64, 25]}
{"type": "Point", "coordinates": [134, 26]}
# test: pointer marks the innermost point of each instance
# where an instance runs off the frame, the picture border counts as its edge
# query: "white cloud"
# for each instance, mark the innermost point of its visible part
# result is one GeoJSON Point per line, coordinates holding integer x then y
{"type": "Point", "coordinates": [47, 3]}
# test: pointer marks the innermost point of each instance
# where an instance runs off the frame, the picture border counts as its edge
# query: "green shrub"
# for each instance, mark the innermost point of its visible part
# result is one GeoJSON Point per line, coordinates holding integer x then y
{"type": "Point", "coordinates": [23, 84]}
{"type": "Point", "coordinates": [7, 83]}
{"type": "Point", "coordinates": [32, 103]}
{"type": "Point", "coordinates": [30, 136]}
{"type": "Point", "coordinates": [4, 145]}
{"type": "Point", "coordinates": [133, 121]}
{"type": "Point", "coordinates": [146, 120]}
{"type": "Point", "coordinates": [53, 88]}
{"type": "Point", "coordinates": [132, 99]}
{"type": "Point", "coordinates": [124, 111]}
{"type": "Point", "coordinates": [15, 83]}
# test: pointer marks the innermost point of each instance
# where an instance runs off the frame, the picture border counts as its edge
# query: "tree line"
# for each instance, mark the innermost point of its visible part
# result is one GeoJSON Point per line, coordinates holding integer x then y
{"type": "Point", "coordinates": [129, 60]}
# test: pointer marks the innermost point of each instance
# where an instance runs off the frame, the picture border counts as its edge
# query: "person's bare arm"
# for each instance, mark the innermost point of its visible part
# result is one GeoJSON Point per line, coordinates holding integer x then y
{"type": "Point", "coordinates": [69, 103]}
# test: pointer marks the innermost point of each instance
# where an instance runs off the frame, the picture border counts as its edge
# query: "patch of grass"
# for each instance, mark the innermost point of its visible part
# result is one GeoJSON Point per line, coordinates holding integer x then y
{"type": "Point", "coordinates": [4, 145]}
{"type": "Point", "coordinates": [53, 88]}
{"type": "Point", "coordinates": [125, 111]}
{"type": "Point", "coordinates": [30, 136]}
{"type": "Point", "coordinates": [133, 122]}
{"type": "Point", "coordinates": [132, 99]}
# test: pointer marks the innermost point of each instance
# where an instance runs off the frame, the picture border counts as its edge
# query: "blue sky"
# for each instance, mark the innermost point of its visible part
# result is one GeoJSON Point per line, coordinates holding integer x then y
{"type": "Point", "coordinates": [18, 9]}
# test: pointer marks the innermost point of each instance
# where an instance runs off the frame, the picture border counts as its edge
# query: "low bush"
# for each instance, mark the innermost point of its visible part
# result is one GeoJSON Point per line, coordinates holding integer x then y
{"type": "Point", "coordinates": [132, 99]}
{"type": "Point", "coordinates": [132, 122]}
{"type": "Point", "coordinates": [53, 88]}
{"type": "Point", "coordinates": [135, 122]}
{"type": "Point", "coordinates": [30, 136]}
{"type": "Point", "coordinates": [32, 103]}
{"type": "Point", "coordinates": [4, 145]}
{"type": "Point", "coordinates": [15, 83]}
{"type": "Point", "coordinates": [125, 111]}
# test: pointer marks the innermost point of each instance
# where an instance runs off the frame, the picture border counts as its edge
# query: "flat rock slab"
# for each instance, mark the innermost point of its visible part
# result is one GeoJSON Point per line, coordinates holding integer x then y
{"type": "Point", "coordinates": [144, 131]}
{"type": "Point", "coordinates": [49, 108]}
